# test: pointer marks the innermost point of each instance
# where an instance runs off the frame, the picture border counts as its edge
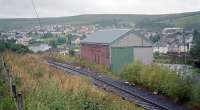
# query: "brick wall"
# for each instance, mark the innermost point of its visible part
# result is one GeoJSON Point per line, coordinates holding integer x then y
{"type": "Point", "coordinates": [95, 53]}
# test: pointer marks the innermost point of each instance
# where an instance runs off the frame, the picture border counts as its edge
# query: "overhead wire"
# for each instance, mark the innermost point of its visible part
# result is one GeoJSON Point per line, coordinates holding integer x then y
{"type": "Point", "coordinates": [36, 13]}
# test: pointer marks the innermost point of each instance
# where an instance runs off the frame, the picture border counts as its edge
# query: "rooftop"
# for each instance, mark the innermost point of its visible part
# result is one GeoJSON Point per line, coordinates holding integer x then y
{"type": "Point", "coordinates": [105, 36]}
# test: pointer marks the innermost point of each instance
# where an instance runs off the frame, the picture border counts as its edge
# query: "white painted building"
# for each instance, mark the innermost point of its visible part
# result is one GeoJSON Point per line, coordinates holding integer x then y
{"type": "Point", "coordinates": [24, 40]}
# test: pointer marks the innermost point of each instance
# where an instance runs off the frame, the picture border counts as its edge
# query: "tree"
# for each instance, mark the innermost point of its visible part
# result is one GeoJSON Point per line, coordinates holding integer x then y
{"type": "Point", "coordinates": [69, 39]}
{"type": "Point", "coordinates": [61, 40]}
{"type": "Point", "coordinates": [30, 33]}
{"type": "Point", "coordinates": [155, 38]}
{"type": "Point", "coordinates": [196, 35]}
{"type": "Point", "coordinates": [195, 50]}
{"type": "Point", "coordinates": [84, 36]}
{"type": "Point", "coordinates": [2, 47]}
{"type": "Point", "coordinates": [10, 45]}
{"type": "Point", "coordinates": [12, 41]}
{"type": "Point", "coordinates": [53, 43]}
{"type": "Point", "coordinates": [71, 52]}
{"type": "Point", "coordinates": [48, 35]}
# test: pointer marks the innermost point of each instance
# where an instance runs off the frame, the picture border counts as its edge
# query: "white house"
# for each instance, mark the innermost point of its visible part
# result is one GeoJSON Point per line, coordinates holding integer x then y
{"type": "Point", "coordinates": [174, 43]}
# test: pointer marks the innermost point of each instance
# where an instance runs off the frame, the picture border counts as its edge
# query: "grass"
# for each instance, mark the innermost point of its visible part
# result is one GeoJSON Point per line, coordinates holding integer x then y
{"type": "Point", "coordinates": [156, 78]}
{"type": "Point", "coordinates": [6, 102]}
{"type": "Point", "coordinates": [101, 69]}
{"type": "Point", "coordinates": [152, 77]}
{"type": "Point", "coordinates": [45, 88]}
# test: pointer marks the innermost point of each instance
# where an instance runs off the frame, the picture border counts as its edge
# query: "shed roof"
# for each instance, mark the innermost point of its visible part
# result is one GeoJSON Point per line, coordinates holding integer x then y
{"type": "Point", "coordinates": [105, 36]}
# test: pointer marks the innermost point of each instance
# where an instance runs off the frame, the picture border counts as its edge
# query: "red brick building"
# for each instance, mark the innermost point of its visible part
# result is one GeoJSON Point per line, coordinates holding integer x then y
{"type": "Point", "coordinates": [96, 53]}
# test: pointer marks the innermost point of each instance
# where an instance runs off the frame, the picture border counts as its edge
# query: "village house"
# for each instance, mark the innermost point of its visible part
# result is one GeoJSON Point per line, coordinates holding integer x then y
{"type": "Point", "coordinates": [116, 48]}
{"type": "Point", "coordinates": [172, 30]}
{"type": "Point", "coordinates": [174, 43]}
{"type": "Point", "coordinates": [23, 40]}
{"type": "Point", "coordinates": [76, 38]}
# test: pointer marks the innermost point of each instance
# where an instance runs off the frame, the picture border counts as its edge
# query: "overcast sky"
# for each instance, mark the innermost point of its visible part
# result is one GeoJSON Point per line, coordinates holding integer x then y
{"type": "Point", "coordinates": [54, 8]}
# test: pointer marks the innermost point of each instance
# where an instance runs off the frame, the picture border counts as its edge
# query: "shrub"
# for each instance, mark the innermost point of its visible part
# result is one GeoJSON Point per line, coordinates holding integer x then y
{"type": "Point", "coordinates": [131, 73]}
{"type": "Point", "coordinates": [195, 98]}
{"type": "Point", "coordinates": [177, 89]}
{"type": "Point", "coordinates": [158, 79]}
{"type": "Point", "coordinates": [10, 45]}
{"type": "Point", "coordinates": [2, 46]}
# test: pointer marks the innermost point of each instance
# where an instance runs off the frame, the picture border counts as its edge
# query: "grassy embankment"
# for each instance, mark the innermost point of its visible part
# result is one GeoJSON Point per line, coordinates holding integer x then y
{"type": "Point", "coordinates": [153, 77]}
{"type": "Point", "coordinates": [6, 102]}
{"type": "Point", "coordinates": [80, 62]}
{"type": "Point", "coordinates": [45, 88]}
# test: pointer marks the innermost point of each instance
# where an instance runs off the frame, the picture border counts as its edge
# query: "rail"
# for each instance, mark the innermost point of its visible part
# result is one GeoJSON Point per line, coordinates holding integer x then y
{"type": "Point", "coordinates": [115, 86]}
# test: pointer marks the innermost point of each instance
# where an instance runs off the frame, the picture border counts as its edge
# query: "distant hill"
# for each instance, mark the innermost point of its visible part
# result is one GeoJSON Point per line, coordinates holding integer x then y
{"type": "Point", "coordinates": [185, 20]}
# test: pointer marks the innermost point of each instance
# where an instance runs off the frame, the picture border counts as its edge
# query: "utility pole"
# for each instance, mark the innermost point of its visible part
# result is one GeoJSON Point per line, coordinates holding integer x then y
{"type": "Point", "coordinates": [69, 44]}
{"type": "Point", "coordinates": [184, 48]}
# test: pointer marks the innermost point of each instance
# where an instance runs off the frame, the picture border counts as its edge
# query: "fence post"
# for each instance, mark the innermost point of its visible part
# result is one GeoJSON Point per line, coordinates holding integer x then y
{"type": "Point", "coordinates": [10, 84]}
{"type": "Point", "coordinates": [14, 91]}
{"type": "Point", "coordinates": [20, 101]}
{"type": "Point", "coordinates": [4, 64]}
{"type": "Point", "coordinates": [8, 73]}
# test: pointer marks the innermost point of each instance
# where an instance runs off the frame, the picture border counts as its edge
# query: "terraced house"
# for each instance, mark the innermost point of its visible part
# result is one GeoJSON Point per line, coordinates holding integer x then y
{"type": "Point", "coordinates": [116, 48]}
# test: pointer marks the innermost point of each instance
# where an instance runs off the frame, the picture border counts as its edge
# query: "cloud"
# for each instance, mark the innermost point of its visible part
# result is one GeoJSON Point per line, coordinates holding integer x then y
{"type": "Point", "coordinates": [51, 8]}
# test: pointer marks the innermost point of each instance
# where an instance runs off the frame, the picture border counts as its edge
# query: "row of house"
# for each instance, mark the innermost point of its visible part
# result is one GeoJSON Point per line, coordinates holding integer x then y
{"type": "Point", "coordinates": [20, 37]}
{"type": "Point", "coordinates": [176, 42]}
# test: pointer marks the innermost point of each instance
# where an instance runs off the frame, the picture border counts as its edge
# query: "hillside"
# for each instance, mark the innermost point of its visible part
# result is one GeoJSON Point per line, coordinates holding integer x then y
{"type": "Point", "coordinates": [185, 20]}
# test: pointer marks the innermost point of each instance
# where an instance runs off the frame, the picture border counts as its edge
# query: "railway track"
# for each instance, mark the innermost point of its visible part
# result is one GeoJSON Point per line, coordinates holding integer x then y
{"type": "Point", "coordinates": [140, 97]}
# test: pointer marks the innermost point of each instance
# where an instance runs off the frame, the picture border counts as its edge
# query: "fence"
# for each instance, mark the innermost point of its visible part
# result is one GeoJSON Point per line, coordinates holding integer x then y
{"type": "Point", "coordinates": [17, 96]}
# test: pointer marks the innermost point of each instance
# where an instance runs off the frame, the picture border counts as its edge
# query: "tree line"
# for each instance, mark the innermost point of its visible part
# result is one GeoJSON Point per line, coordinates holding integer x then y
{"type": "Point", "coordinates": [12, 46]}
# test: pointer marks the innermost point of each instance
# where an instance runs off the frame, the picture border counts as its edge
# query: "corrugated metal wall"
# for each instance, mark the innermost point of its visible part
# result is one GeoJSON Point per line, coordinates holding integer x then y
{"type": "Point", "coordinates": [121, 56]}
{"type": "Point", "coordinates": [144, 55]}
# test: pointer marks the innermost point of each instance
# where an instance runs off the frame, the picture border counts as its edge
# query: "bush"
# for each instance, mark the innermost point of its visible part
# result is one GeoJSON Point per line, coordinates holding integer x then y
{"type": "Point", "coordinates": [131, 73]}
{"type": "Point", "coordinates": [2, 47]}
{"type": "Point", "coordinates": [177, 89]}
{"type": "Point", "coordinates": [195, 98]}
{"type": "Point", "coordinates": [10, 45]}
{"type": "Point", "coordinates": [158, 79]}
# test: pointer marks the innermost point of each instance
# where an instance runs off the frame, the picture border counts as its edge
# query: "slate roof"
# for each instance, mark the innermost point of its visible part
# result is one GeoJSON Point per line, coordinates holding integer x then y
{"type": "Point", "coordinates": [174, 39]}
{"type": "Point", "coordinates": [105, 36]}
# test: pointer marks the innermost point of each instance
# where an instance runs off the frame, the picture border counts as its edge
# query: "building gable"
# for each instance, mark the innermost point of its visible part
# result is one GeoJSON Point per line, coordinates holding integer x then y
{"type": "Point", "coordinates": [131, 40]}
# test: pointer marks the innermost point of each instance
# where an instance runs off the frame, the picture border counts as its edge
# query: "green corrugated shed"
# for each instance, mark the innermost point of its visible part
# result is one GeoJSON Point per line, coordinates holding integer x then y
{"type": "Point", "coordinates": [121, 56]}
